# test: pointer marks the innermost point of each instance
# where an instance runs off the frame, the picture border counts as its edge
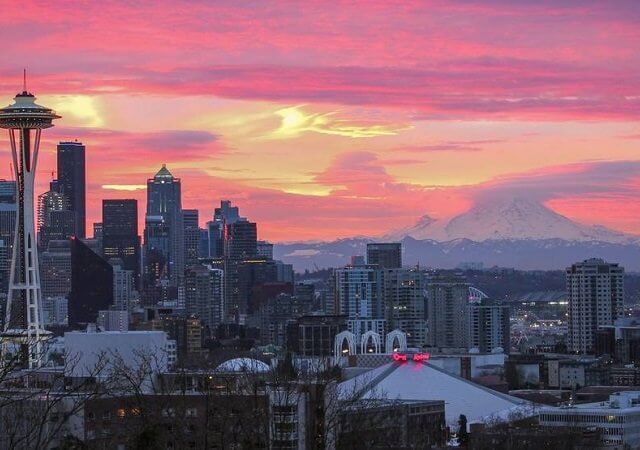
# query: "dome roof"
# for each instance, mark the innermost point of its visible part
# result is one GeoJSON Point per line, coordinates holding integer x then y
{"type": "Point", "coordinates": [243, 365]}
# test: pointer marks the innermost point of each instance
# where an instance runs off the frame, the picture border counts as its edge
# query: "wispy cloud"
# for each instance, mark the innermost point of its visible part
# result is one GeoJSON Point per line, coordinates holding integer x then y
{"type": "Point", "coordinates": [451, 146]}
{"type": "Point", "coordinates": [295, 121]}
{"type": "Point", "coordinates": [124, 187]}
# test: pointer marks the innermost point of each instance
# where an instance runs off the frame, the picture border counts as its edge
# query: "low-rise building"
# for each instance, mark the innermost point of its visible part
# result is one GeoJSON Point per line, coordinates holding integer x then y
{"type": "Point", "coordinates": [113, 320]}
{"type": "Point", "coordinates": [99, 354]}
{"type": "Point", "coordinates": [617, 421]}
{"type": "Point", "coordinates": [621, 341]}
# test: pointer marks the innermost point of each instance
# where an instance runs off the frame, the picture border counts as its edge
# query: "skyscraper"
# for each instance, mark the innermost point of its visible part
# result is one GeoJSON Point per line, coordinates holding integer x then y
{"type": "Point", "coordinates": [216, 236]}
{"type": "Point", "coordinates": [404, 302]}
{"type": "Point", "coordinates": [7, 191]}
{"type": "Point", "coordinates": [97, 231]}
{"type": "Point", "coordinates": [358, 296]}
{"type": "Point", "coordinates": [241, 240]}
{"type": "Point", "coordinates": [204, 294]}
{"type": "Point", "coordinates": [240, 244]}
{"type": "Point", "coordinates": [56, 220]}
{"type": "Point", "coordinates": [448, 312]}
{"type": "Point", "coordinates": [595, 292]}
{"type": "Point", "coordinates": [8, 211]}
{"type": "Point", "coordinates": [264, 250]}
{"type": "Point", "coordinates": [385, 255]}
{"type": "Point", "coordinates": [120, 237]}
{"type": "Point", "coordinates": [91, 284]}
{"type": "Point", "coordinates": [191, 235]}
{"type": "Point", "coordinates": [123, 285]}
{"type": "Point", "coordinates": [157, 245]}
{"type": "Point", "coordinates": [164, 210]}
{"type": "Point", "coordinates": [222, 216]}
{"type": "Point", "coordinates": [72, 183]}
{"type": "Point", "coordinates": [489, 326]}
{"type": "Point", "coordinates": [56, 269]}
{"type": "Point", "coordinates": [226, 213]}
{"type": "Point", "coordinates": [25, 121]}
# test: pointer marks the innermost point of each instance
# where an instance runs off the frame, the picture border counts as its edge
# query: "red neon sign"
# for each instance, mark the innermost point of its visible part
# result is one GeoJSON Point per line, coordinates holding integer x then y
{"type": "Point", "coordinates": [418, 357]}
{"type": "Point", "coordinates": [399, 356]}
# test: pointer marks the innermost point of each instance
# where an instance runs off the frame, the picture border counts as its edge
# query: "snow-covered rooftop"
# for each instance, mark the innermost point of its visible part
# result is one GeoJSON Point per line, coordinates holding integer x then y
{"type": "Point", "coordinates": [415, 381]}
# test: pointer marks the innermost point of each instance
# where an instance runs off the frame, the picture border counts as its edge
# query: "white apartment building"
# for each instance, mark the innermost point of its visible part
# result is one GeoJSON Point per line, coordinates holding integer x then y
{"type": "Point", "coordinates": [617, 420]}
{"type": "Point", "coordinates": [595, 293]}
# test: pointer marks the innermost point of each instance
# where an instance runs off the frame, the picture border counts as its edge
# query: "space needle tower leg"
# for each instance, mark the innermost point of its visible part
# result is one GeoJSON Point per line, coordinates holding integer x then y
{"type": "Point", "coordinates": [22, 326]}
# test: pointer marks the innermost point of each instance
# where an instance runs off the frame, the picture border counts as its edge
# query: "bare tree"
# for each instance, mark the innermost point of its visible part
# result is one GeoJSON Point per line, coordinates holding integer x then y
{"type": "Point", "coordinates": [38, 406]}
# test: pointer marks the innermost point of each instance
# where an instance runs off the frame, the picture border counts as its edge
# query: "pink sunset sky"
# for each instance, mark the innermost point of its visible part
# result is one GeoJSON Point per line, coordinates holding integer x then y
{"type": "Point", "coordinates": [333, 119]}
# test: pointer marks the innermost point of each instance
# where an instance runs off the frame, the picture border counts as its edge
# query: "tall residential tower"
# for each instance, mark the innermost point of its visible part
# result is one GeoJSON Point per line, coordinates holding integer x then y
{"type": "Point", "coordinates": [595, 292]}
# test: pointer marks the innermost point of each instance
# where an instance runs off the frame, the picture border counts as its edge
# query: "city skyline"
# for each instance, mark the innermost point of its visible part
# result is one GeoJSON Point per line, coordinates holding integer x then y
{"type": "Point", "coordinates": [350, 120]}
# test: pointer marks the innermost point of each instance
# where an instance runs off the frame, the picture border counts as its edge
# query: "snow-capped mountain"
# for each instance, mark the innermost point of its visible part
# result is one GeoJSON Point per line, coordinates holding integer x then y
{"type": "Point", "coordinates": [516, 233]}
{"type": "Point", "coordinates": [510, 219]}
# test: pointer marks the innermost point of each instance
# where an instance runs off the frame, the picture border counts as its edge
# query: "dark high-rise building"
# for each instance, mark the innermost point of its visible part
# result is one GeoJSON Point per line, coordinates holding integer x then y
{"type": "Point", "coordinates": [97, 230]}
{"type": "Point", "coordinates": [247, 278]}
{"type": "Point", "coordinates": [8, 211]}
{"type": "Point", "coordinates": [203, 244]}
{"type": "Point", "coordinates": [448, 311]}
{"type": "Point", "coordinates": [156, 251]}
{"type": "Point", "coordinates": [55, 269]}
{"type": "Point", "coordinates": [223, 216]}
{"type": "Point", "coordinates": [264, 250]}
{"type": "Point", "coordinates": [241, 240]}
{"type": "Point", "coordinates": [404, 302]}
{"type": "Point", "coordinates": [240, 247]}
{"type": "Point", "coordinates": [226, 213]}
{"type": "Point", "coordinates": [7, 191]}
{"type": "Point", "coordinates": [315, 335]}
{"type": "Point", "coordinates": [489, 326]}
{"type": "Point", "coordinates": [215, 239]}
{"type": "Point", "coordinates": [164, 210]}
{"type": "Point", "coordinates": [385, 255]}
{"type": "Point", "coordinates": [91, 284]}
{"type": "Point", "coordinates": [204, 295]}
{"type": "Point", "coordinates": [56, 220]}
{"type": "Point", "coordinates": [71, 181]}
{"type": "Point", "coordinates": [120, 237]}
{"type": "Point", "coordinates": [191, 236]}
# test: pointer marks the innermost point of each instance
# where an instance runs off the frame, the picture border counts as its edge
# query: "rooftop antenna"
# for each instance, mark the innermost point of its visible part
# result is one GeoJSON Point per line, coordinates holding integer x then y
{"type": "Point", "coordinates": [24, 79]}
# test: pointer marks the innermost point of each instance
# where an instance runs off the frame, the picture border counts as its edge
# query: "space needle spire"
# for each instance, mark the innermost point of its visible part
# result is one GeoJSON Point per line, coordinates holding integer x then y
{"type": "Point", "coordinates": [23, 330]}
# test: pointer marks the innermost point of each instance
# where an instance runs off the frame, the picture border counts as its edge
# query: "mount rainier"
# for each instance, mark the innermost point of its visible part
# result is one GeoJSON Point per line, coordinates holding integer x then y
{"type": "Point", "coordinates": [518, 233]}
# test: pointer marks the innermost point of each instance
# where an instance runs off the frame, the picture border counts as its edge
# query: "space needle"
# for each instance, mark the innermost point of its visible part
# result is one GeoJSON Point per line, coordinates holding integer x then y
{"type": "Point", "coordinates": [23, 330]}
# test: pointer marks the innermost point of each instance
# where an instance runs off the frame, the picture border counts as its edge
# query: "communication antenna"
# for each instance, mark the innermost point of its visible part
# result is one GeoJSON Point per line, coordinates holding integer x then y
{"type": "Point", "coordinates": [24, 79]}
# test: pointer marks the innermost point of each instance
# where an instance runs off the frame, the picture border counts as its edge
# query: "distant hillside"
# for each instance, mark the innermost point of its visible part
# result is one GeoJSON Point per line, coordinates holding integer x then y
{"type": "Point", "coordinates": [526, 254]}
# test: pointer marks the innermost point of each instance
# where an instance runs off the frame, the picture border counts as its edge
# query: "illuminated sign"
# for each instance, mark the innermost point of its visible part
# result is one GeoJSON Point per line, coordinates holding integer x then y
{"type": "Point", "coordinates": [418, 357]}
{"type": "Point", "coordinates": [399, 356]}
